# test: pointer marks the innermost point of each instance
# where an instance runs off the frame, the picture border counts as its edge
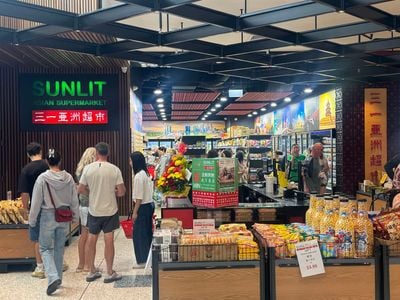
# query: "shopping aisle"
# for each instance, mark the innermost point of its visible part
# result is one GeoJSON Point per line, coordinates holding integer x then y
{"type": "Point", "coordinates": [134, 284]}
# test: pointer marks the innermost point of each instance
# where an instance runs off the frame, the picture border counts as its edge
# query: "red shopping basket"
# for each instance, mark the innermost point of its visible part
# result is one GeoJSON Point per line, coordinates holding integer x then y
{"type": "Point", "coordinates": [127, 226]}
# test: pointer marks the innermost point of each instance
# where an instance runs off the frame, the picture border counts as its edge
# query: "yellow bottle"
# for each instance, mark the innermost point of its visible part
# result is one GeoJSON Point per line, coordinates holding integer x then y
{"type": "Point", "coordinates": [311, 210]}
{"type": "Point", "coordinates": [344, 231]}
{"type": "Point", "coordinates": [328, 222]}
{"type": "Point", "coordinates": [364, 231]}
{"type": "Point", "coordinates": [319, 213]}
{"type": "Point", "coordinates": [353, 203]}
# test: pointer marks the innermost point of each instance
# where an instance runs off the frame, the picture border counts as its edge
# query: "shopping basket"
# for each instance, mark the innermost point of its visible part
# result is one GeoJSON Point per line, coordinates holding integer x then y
{"type": "Point", "coordinates": [127, 226]}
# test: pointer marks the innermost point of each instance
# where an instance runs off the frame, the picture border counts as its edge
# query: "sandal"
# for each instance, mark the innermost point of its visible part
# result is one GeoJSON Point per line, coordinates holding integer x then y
{"type": "Point", "coordinates": [80, 270]}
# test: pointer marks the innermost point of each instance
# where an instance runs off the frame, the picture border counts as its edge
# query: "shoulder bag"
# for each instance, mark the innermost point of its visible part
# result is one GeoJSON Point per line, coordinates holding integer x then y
{"type": "Point", "coordinates": [62, 214]}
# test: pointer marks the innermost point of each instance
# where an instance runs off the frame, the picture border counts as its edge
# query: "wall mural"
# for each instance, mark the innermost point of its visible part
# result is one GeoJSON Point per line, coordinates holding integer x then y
{"type": "Point", "coordinates": [163, 130]}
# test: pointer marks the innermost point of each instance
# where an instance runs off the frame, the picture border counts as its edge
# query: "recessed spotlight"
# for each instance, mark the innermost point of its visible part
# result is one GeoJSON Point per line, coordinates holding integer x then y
{"type": "Point", "coordinates": [340, 11]}
{"type": "Point", "coordinates": [164, 119]}
{"type": "Point", "coordinates": [213, 109]}
{"type": "Point", "coordinates": [225, 118]}
{"type": "Point", "coordinates": [249, 115]}
{"type": "Point", "coordinates": [203, 118]}
{"type": "Point", "coordinates": [308, 90]}
{"type": "Point", "coordinates": [263, 109]}
{"type": "Point", "coordinates": [273, 104]}
{"type": "Point", "coordinates": [157, 92]}
{"type": "Point", "coordinates": [235, 119]}
{"type": "Point", "coordinates": [255, 113]}
{"type": "Point", "coordinates": [223, 99]}
{"type": "Point", "coordinates": [160, 100]}
{"type": "Point", "coordinates": [209, 113]}
{"type": "Point", "coordinates": [287, 99]}
{"type": "Point", "coordinates": [162, 109]}
{"type": "Point", "coordinates": [160, 105]}
{"type": "Point", "coordinates": [218, 105]}
{"type": "Point", "coordinates": [218, 62]}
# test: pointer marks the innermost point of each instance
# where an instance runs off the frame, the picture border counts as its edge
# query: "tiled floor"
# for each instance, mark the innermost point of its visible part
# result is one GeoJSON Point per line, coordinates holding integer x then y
{"type": "Point", "coordinates": [135, 284]}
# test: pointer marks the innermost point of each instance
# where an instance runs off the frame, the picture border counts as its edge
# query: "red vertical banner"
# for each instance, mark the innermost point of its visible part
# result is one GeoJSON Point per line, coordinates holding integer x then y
{"type": "Point", "coordinates": [375, 128]}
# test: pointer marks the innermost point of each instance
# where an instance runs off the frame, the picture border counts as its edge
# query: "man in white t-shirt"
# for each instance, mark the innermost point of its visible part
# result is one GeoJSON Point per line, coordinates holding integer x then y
{"type": "Point", "coordinates": [103, 182]}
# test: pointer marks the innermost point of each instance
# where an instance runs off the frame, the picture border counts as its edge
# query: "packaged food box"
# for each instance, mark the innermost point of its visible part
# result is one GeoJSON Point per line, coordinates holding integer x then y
{"type": "Point", "coordinates": [215, 199]}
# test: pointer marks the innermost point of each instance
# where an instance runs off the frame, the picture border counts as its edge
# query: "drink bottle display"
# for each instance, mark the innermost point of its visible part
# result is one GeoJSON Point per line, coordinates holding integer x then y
{"type": "Point", "coordinates": [344, 231]}
{"type": "Point", "coordinates": [364, 231]}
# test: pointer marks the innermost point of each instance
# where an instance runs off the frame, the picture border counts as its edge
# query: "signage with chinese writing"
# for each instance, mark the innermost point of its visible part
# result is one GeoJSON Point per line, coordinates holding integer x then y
{"type": "Point", "coordinates": [375, 138]}
{"type": "Point", "coordinates": [309, 258]}
{"type": "Point", "coordinates": [64, 102]}
{"type": "Point", "coordinates": [203, 226]}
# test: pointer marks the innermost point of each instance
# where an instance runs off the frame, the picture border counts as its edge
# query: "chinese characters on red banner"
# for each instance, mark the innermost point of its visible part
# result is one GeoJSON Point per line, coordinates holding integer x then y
{"type": "Point", "coordinates": [375, 133]}
{"type": "Point", "coordinates": [69, 117]}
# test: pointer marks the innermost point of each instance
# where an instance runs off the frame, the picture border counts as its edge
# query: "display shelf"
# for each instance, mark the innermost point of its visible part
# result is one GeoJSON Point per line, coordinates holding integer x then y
{"type": "Point", "coordinates": [196, 145]}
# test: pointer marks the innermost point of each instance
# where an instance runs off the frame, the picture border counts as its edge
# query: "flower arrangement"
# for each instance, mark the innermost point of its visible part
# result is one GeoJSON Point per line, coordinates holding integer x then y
{"type": "Point", "coordinates": [173, 179]}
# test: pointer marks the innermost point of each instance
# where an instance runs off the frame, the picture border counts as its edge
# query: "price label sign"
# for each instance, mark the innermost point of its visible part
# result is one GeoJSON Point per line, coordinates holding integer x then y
{"type": "Point", "coordinates": [309, 258]}
{"type": "Point", "coordinates": [203, 226]}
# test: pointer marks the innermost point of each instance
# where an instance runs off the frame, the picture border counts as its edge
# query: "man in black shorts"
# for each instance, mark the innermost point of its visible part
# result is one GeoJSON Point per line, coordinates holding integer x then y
{"type": "Point", "coordinates": [103, 182]}
{"type": "Point", "coordinates": [27, 180]}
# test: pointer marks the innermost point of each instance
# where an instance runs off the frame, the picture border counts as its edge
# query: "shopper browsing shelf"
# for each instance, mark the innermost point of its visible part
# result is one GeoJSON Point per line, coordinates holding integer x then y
{"type": "Point", "coordinates": [88, 157]}
{"type": "Point", "coordinates": [316, 171]}
{"type": "Point", "coordinates": [53, 189]}
{"type": "Point", "coordinates": [143, 208]}
{"type": "Point", "coordinates": [103, 182]}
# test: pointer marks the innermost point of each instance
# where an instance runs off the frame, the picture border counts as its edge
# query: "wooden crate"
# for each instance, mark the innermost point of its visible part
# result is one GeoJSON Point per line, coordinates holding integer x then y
{"type": "Point", "coordinates": [339, 282]}
{"type": "Point", "coordinates": [210, 284]}
{"type": "Point", "coordinates": [15, 243]}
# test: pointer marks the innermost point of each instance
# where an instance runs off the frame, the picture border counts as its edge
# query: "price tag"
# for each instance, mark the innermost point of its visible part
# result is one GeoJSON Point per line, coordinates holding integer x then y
{"type": "Point", "coordinates": [309, 258]}
{"type": "Point", "coordinates": [203, 226]}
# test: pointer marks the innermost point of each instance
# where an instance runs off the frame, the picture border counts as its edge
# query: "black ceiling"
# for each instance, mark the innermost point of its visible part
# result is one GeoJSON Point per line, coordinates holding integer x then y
{"type": "Point", "coordinates": [260, 64]}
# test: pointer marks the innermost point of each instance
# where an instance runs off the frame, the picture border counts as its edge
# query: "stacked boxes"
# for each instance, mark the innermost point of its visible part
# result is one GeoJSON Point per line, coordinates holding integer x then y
{"type": "Point", "coordinates": [215, 182]}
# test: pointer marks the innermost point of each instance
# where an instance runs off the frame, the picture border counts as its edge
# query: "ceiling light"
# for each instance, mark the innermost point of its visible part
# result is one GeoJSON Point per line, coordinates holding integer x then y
{"type": "Point", "coordinates": [263, 109]}
{"type": "Point", "coordinates": [218, 105]}
{"type": "Point", "coordinates": [162, 109]}
{"type": "Point", "coordinates": [157, 92]}
{"type": "Point", "coordinates": [287, 99]}
{"type": "Point", "coordinates": [164, 119]}
{"type": "Point", "coordinates": [255, 113]}
{"type": "Point", "coordinates": [160, 100]}
{"type": "Point", "coordinates": [223, 99]}
{"type": "Point", "coordinates": [340, 11]}
{"type": "Point", "coordinates": [308, 90]}
{"type": "Point", "coordinates": [209, 113]}
{"type": "Point", "coordinates": [225, 118]}
{"type": "Point", "coordinates": [213, 109]}
{"type": "Point", "coordinates": [203, 118]}
{"type": "Point", "coordinates": [273, 104]}
{"type": "Point", "coordinates": [249, 115]}
{"type": "Point", "coordinates": [235, 119]}
{"type": "Point", "coordinates": [160, 105]}
{"type": "Point", "coordinates": [218, 62]}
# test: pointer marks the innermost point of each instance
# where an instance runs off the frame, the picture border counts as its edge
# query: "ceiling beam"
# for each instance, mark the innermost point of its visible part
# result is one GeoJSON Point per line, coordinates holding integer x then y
{"type": "Point", "coordinates": [40, 32]}
{"type": "Point", "coordinates": [172, 59]}
{"type": "Point", "coordinates": [375, 45]}
{"type": "Point", "coordinates": [110, 14]}
{"type": "Point", "coordinates": [192, 33]}
{"type": "Point", "coordinates": [253, 46]}
{"type": "Point", "coordinates": [360, 9]}
{"type": "Point", "coordinates": [123, 46]}
{"type": "Point", "coordinates": [7, 35]}
{"type": "Point", "coordinates": [65, 44]}
{"type": "Point", "coordinates": [36, 13]}
{"type": "Point", "coordinates": [283, 14]}
{"type": "Point", "coordinates": [158, 5]}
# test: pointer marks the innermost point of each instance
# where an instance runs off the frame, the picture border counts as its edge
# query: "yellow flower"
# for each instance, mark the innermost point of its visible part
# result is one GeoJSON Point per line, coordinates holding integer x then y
{"type": "Point", "coordinates": [178, 163]}
{"type": "Point", "coordinates": [170, 169]}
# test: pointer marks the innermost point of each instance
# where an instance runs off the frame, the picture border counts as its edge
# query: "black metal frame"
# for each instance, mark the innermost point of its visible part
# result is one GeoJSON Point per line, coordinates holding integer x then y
{"type": "Point", "coordinates": [325, 64]}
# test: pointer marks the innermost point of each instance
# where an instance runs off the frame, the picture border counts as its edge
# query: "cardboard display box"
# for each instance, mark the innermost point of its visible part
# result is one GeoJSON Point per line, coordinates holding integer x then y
{"type": "Point", "coordinates": [215, 174]}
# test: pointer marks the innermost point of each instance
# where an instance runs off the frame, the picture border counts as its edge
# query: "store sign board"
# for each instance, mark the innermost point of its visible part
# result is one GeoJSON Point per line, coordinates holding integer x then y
{"type": "Point", "coordinates": [309, 258]}
{"type": "Point", "coordinates": [375, 132]}
{"type": "Point", "coordinates": [68, 102]}
{"type": "Point", "coordinates": [203, 226]}
{"type": "Point", "coordinates": [327, 110]}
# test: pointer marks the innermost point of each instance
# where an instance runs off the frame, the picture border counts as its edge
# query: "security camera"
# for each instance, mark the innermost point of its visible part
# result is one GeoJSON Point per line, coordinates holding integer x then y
{"type": "Point", "coordinates": [124, 69]}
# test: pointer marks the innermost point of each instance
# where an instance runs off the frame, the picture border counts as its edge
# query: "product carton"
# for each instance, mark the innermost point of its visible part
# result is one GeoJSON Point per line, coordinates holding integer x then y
{"type": "Point", "coordinates": [215, 174]}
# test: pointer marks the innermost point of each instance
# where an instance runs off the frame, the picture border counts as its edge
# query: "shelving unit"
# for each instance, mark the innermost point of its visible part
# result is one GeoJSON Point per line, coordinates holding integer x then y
{"type": "Point", "coordinates": [196, 145]}
{"type": "Point", "coordinates": [258, 147]}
